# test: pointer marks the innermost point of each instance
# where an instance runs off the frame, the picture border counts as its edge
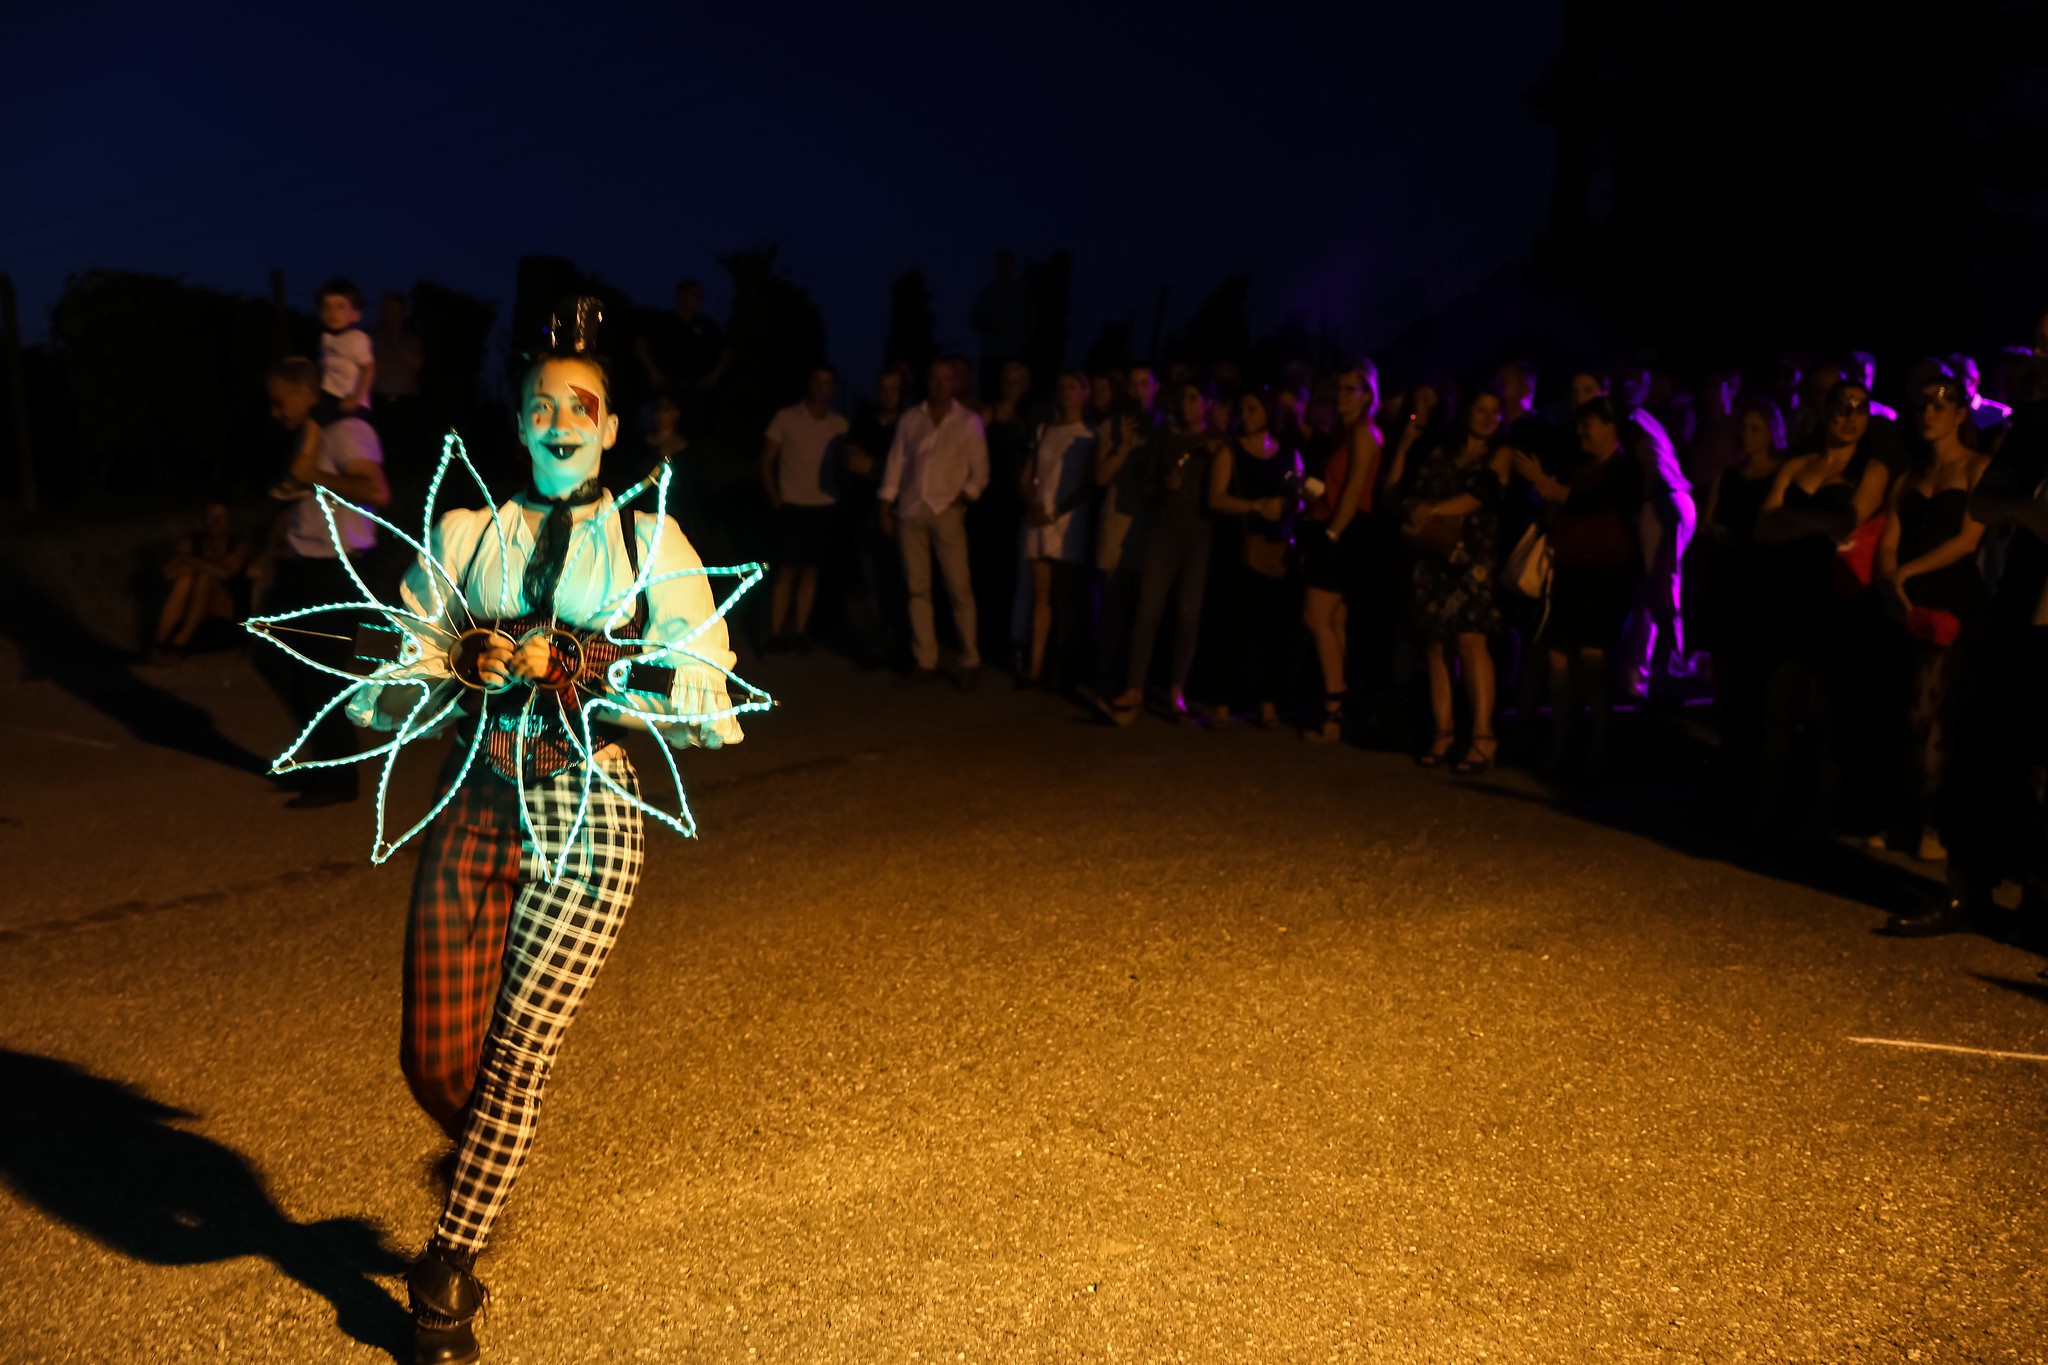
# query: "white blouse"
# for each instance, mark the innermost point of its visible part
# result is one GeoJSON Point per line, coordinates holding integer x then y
{"type": "Point", "coordinates": [595, 571]}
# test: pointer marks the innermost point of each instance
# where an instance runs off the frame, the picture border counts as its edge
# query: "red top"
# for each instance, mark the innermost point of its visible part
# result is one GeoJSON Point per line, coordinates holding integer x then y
{"type": "Point", "coordinates": [1335, 475]}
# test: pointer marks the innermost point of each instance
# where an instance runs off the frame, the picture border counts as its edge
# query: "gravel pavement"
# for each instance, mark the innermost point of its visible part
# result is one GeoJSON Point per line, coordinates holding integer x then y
{"type": "Point", "coordinates": [970, 1030]}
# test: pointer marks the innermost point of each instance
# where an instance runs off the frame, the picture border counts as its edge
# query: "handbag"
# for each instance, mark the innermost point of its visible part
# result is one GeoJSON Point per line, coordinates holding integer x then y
{"type": "Point", "coordinates": [1437, 538]}
{"type": "Point", "coordinates": [1528, 566]}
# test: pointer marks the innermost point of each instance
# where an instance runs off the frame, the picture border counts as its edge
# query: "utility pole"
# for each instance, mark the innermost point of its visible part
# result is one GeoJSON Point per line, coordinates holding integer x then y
{"type": "Point", "coordinates": [17, 395]}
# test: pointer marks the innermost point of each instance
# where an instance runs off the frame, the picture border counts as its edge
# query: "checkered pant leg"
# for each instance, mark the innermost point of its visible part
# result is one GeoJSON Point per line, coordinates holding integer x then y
{"type": "Point", "coordinates": [557, 940]}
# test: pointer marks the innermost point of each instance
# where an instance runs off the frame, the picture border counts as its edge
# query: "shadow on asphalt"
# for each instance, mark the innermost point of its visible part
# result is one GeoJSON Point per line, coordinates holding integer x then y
{"type": "Point", "coordinates": [53, 645]}
{"type": "Point", "coordinates": [106, 1160]}
{"type": "Point", "coordinates": [2033, 990]}
{"type": "Point", "coordinates": [1662, 791]}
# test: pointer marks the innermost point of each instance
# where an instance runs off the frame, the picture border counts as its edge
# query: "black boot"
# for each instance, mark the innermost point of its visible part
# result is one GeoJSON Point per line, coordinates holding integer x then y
{"type": "Point", "coordinates": [445, 1303]}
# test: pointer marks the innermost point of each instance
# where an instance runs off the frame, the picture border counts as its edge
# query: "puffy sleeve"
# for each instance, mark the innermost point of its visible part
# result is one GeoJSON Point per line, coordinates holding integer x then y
{"type": "Point", "coordinates": [425, 590]}
{"type": "Point", "coordinates": [683, 615]}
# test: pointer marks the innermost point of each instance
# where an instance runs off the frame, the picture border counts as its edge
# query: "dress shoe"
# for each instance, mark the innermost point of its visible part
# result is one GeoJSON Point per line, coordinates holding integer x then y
{"type": "Point", "coordinates": [1953, 915]}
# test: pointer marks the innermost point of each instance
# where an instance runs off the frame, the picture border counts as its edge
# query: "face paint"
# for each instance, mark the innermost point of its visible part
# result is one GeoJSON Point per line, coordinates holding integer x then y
{"type": "Point", "coordinates": [565, 430]}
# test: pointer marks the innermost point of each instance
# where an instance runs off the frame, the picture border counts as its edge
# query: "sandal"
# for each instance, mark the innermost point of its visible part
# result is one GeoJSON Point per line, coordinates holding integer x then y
{"type": "Point", "coordinates": [1439, 751]}
{"type": "Point", "coordinates": [1478, 762]}
{"type": "Point", "coordinates": [1332, 729]}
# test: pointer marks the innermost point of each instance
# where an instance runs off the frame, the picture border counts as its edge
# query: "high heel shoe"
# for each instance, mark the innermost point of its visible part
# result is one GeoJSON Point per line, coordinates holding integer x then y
{"type": "Point", "coordinates": [1439, 751]}
{"type": "Point", "coordinates": [1331, 730]}
{"type": "Point", "coordinates": [1478, 762]}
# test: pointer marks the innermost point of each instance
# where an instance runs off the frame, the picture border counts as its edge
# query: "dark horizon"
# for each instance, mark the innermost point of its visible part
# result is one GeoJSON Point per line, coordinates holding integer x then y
{"type": "Point", "coordinates": [1174, 167]}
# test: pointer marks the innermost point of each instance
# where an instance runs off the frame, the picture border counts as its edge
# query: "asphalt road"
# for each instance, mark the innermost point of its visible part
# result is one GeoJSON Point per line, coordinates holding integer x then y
{"type": "Point", "coordinates": [972, 1031]}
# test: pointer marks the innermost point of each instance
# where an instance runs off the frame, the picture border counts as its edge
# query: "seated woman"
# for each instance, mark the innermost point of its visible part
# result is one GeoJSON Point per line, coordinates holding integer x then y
{"type": "Point", "coordinates": [1597, 565]}
{"type": "Point", "coordinates": [204, 573]}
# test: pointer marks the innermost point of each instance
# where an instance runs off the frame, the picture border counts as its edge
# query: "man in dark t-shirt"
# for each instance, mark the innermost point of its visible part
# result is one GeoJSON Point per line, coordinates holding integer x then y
{"type": "Point", "coordinates": [685, 355]}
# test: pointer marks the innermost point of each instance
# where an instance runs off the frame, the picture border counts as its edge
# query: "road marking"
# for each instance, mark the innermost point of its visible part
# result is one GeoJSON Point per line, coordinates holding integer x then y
{"type": "Point", "coordinates": [1951, 1047]}
{"type": "Point", "coordinates": [68, 739]}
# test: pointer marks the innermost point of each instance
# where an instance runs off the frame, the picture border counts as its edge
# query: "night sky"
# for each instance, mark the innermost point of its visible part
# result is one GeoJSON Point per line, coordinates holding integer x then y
{"type": "Point", "coordinates": [1330, 149]}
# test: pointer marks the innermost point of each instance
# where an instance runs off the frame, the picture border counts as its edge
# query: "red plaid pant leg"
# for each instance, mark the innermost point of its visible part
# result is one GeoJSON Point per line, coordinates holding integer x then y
{"type": "Point", "coordinates": [468, 877]}
{"type": "Point", "coordinates": [561, 933]}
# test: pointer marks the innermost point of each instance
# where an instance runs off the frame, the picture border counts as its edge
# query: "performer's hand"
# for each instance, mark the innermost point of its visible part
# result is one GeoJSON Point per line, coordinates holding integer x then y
{"type": "Point", "coordinates": [493, 663]}
{"type": "Point", "coordinates": [530, 660]}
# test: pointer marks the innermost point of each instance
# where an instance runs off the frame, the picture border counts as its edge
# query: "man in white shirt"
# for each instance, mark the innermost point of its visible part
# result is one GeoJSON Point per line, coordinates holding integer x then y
{"type": "Point", "coordinates": [344, 457]}
{"type": "Point", "coordinates": [938, 463]}
{"type": "Point", "coordinates": [800, 465]}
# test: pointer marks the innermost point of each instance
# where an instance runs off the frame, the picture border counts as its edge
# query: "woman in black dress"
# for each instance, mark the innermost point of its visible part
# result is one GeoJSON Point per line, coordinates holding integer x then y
{"type": "Point", "coordinates": [1597, 561]}
{"type": "Point", "coordinates": [1252, 484]}
{"type": "Point", "coordinates": [1932, 587]}
{"type": "Point", "coordinates": [1453, 524]}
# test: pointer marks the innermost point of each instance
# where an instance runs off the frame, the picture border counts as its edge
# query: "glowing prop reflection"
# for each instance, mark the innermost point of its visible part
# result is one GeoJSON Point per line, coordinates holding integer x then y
{"type": "Point", "coordinates": [387, 639]}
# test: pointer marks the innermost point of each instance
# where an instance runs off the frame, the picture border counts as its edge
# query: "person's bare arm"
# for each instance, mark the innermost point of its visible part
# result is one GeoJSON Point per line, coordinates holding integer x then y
{"type": "Point", "coordinates": [1887, 565]}
{"type": "Point", "coordinates": [1712, 502]}
{"type": "Point", "coordinates": [1775, 499]}
{"type": "Point", "coordinates": [1109, 460]}
{"type": "Point", "coordinates": [1870, 491]}
{"type": "Point", "coordinates": [362, 483]}
{"type": "Point", "coordinates": [366, 375]}
{"type": "Point", "coordinates": [716, 372]}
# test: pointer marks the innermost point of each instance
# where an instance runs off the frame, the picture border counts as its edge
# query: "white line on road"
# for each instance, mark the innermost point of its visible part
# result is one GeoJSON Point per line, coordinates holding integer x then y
{"type": "Point", "coordinates": [68, 739]}
{"type": "Point", "coordinates": [1951, 1047]}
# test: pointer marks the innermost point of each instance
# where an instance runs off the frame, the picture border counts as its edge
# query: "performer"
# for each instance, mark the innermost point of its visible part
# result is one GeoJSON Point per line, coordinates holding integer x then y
{"type": "Point", "coordinates": [526, 874]}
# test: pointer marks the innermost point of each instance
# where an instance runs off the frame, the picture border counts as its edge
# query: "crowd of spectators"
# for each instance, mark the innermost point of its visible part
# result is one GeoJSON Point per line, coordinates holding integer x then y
{"type": "Point", "coordinates": [1848, 596]}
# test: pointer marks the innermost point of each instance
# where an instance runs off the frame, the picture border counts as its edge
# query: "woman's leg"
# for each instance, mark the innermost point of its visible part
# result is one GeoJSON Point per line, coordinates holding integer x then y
{"type": "Point", "coordinates": [1930, 745]}
{"type": "Point", "coordinates": [1192, 578]}
{"type": "Point", "coordinates": [1561, 707]}
{"type": "Point", "coordinates": [1441, 707]}
{"type": "Point", "coordinates": [1476, 659]}
{"type": "Point", "coordinates": [558, 939]}
{"type": "Point", "coordinates": [1041, 617]}
{"type": "Point", "coordinates": [1155, 582]}
{"type": "Point", "coordinates": [1323, 612]}
{"type": "Point", "coordinates": [176, 605]}
{"type": "Point", "coordinates": [1593, 685]}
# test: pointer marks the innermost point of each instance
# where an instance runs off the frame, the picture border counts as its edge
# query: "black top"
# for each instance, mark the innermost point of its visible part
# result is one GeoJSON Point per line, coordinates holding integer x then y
{"type": "Point", "coordinates": [1740, 501]}
{"type": "Point", "coordinates": [1254, 479]}
{"type": "Point", "coordinates": [1925, 522]}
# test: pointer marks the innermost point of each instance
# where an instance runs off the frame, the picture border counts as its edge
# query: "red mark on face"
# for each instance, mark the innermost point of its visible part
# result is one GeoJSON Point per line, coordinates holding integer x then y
{"type": "Point", "coordinates": [586, 398]}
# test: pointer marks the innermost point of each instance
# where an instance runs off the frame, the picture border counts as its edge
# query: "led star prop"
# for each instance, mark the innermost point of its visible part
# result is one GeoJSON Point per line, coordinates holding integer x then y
{"type": "Point", "coordinates": [388, 639]}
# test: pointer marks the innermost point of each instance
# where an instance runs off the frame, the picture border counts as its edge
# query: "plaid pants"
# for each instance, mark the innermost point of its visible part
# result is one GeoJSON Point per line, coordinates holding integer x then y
{"type": "Point", "coordinates": [497, 961]}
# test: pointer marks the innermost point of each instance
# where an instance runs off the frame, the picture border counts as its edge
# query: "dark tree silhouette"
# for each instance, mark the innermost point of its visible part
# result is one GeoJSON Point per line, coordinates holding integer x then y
{"type": "Point", "coordinates": [1049, 283]}
{"type": "Point", "coordinates": [1779, 173]}
{"type": "Point", "coordinates": [1218, 329]}
{"type": "Point", "coordinates": [149, 367]}
{"type": "Point", "coordinates": [776, 333]}
{"type": "Point", "coordinates": [913, 326]}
